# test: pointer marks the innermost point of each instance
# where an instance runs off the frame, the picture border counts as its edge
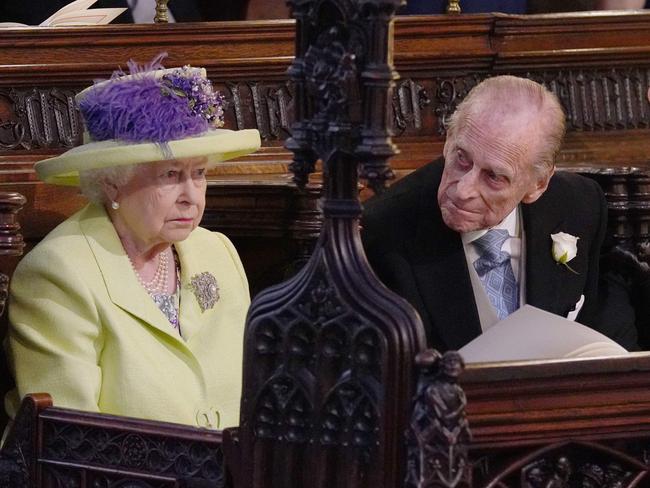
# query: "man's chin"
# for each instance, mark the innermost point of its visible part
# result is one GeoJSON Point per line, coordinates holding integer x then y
{"type": "Point", "coordinates": [457, 224]}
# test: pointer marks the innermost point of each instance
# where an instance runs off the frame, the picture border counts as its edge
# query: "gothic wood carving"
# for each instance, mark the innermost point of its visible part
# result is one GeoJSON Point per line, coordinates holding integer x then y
{"type": "Point", "coordinates": [571, 465]}
{"type": "Point", "coordinates": [328, 359]}
{"type": "Point", "coordinates": [39, 118]}
{"type": "Point", "coordinates": [593, 99]}
{"type": "Point", "coordinates": [627, 191]}
{"type": "Point", "coordinates": [11, 240]}
{"type": "Point", "coordinates": [51, 447]}
{"type": "Point", "coordinates": [18, 457]}
{"type": "Point", "coordinates": [438, 436]}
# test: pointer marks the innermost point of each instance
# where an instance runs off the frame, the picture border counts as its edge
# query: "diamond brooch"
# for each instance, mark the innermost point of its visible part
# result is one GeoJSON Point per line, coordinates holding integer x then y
{"type": "Point", "coordinates": [205, 288]}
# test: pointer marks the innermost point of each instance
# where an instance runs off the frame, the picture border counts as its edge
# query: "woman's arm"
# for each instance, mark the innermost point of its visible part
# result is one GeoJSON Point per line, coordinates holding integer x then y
{"type": "Point", "coordinates": [54, 338]}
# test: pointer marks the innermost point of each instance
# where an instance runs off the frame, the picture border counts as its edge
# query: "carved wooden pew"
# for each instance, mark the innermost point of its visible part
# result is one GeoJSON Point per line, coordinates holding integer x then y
{"type": "Point", "coordinates": [572, 423]}
{"type": "Point", "coordinates": [54, 447]}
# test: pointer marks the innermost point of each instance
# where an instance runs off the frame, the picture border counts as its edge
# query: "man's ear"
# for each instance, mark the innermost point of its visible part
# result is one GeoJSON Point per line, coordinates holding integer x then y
{"type": "Point", "coordinates": [539, 187]}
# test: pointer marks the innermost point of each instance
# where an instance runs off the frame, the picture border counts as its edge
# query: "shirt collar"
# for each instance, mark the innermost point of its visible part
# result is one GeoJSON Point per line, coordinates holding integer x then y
{"type": "Point", "coordinates": [510, 223]}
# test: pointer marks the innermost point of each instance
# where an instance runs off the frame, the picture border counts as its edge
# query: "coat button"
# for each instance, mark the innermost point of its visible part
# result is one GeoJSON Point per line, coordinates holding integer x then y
{"type": "Point", "coordinates": [209, 418]}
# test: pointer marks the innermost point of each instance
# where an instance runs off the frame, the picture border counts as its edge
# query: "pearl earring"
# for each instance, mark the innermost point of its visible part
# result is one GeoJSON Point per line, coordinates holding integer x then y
{"type": "Point", "coordinates": [115, 205]}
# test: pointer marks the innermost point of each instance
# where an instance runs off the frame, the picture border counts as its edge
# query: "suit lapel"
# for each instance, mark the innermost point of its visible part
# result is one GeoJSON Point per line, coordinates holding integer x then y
{"type": "Point", "coordinates": [441, 274]}
{"type": "Point", "coordinates": [119, 277]}
{"type": "Point", "coordinates": [543, 282]}
{"type": "Point", "coordinates": [549, 286]}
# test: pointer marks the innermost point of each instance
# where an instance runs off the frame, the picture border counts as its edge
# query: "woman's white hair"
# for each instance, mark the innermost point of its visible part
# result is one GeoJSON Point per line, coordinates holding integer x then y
{"type": "Point", "coordinates": [92, 182]}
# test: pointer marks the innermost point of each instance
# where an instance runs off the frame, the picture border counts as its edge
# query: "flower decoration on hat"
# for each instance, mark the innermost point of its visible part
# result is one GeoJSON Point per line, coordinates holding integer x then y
{"type": "Point", "coordinates": [138, 107]}
{"type": "Point", "coordinates": [202, 100]}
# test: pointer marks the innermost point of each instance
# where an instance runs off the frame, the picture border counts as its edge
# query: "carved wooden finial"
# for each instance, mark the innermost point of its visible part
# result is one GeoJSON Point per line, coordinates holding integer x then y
{"type": "Point", "coordinates": [438, 437]}
{"type": "Point", "coordinates": [11, 241]}
{"type": "Point", "coordinates": [161, 12]}
{"type": "Point", "coordinates": [453, 6]}
{"type": "Point", "coordinates": [328, 371]}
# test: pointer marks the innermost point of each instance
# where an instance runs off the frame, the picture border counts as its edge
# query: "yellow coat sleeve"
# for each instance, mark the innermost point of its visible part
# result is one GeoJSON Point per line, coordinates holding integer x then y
{"type": "Point", "coordinates": [54, 339]}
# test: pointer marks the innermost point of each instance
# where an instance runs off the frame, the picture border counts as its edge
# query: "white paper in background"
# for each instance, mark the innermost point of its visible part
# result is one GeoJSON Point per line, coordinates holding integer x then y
{"type": "Point", "coordinates": [71, 7]}
{"type": "Point", "coordinates": [94, 16]}
{"type": "Point", "coordinates": [531, 333]}
{"type": "Point", "coordinates": [75, 13]}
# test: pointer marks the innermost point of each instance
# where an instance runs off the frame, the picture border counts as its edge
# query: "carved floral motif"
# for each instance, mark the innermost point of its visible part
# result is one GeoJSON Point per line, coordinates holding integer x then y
{"type": "Point", "coordinates": [128, 452]}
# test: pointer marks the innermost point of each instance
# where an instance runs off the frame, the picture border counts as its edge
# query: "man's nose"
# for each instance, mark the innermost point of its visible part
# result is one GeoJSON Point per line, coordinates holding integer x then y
{"type": "Point", "coordinates": [466, 187]}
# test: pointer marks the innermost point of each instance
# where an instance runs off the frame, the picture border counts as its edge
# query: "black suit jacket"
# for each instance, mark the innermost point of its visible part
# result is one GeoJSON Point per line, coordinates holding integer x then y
{"type": "Point", "coordinates": [416, 255]}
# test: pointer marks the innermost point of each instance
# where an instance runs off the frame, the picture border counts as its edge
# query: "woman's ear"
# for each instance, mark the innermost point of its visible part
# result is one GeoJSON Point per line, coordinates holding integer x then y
{"type": "Point", "coordinates": [110, 190]}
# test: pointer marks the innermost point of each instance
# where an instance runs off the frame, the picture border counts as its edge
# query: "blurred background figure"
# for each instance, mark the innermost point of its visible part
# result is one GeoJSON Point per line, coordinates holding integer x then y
{"type": "Point", "coordinates": [423, 7]}
{"type": "Point", "coordinates": [621, 4]}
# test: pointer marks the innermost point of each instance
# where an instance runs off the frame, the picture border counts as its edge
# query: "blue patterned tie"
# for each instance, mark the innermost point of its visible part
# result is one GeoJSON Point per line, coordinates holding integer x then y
{"type": "Point", "coordinates": [495, 270]}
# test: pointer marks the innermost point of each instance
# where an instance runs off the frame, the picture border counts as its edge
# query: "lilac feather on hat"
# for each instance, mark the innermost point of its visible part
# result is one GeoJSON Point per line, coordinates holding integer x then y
{"type": "Point", "coordinates": [150, 106]}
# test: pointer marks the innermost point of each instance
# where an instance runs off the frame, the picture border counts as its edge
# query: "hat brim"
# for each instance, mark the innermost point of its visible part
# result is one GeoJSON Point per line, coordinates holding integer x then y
{"type": "Point", "coordinates": [217, 145]}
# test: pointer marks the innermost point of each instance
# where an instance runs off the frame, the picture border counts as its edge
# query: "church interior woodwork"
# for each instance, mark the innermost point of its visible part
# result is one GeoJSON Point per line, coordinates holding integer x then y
{"type": "Point", "coordinates": [578, 423]}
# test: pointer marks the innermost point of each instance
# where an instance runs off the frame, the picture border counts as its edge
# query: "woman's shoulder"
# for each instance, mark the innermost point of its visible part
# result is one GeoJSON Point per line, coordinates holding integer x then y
{"type": "Point", "coordinates": [61, 243]}
{"type": "Point", "coordinates": [213, 246]}
{"type": "Point", "coordinates": [204, 237]}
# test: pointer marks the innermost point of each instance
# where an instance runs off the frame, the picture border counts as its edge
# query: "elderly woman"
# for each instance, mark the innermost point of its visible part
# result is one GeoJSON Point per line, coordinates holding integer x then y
{"type": "Point", "coordinates": [128, 307]}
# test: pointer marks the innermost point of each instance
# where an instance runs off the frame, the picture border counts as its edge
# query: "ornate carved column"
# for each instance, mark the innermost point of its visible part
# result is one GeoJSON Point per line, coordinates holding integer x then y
{"type": "Point", "coordinates": [438, 436]}
{"type": "Point", "coordinates": [329, 354]}
{"type": "Point", "coordinates": [11, 241]}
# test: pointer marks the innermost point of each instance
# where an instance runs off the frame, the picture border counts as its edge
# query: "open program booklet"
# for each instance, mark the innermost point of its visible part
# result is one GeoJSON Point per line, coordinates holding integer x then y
{"type": "Point", "coordinates": [531, 333]}
{"type": "Point", "coordinates": [76, 13]}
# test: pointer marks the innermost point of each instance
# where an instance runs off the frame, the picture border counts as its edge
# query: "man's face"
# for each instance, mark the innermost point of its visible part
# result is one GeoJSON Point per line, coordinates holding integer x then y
{"type": "Point", "coordinates": [488, 171]}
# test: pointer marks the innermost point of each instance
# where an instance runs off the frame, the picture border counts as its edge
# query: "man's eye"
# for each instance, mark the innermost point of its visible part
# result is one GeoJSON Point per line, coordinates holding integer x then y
{"type": "Point", "coordinates": [172, 173]}
{"type": "Point", "coordinates": [200, 172]}
{"type": "Point", "coordinates": [495, 177]}
{"type": "Point", "coordinates": [461, 158]}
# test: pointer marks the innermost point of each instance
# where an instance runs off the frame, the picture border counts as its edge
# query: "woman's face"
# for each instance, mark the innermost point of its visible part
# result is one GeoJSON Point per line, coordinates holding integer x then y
{"type": "Point", "coordinates": [161, 203]}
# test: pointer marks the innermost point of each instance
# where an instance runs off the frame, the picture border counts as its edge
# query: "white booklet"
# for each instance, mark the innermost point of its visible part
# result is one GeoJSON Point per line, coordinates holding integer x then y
{"type": "Point", "coordinates": [76, 13]}
{"type": "Point", "coordinates": [531, 333]}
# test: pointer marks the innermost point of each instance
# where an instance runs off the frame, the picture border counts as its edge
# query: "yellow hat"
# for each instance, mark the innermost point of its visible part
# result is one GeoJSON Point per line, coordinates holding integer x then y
{"type": "Point", "coordinates": [152, 114]}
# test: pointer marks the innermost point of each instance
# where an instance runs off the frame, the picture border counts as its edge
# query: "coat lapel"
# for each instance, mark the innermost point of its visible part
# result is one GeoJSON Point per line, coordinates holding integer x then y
{"type": "Point", "coordinates": [543, 275]}
{"type": "Point", "coordinates": [191, 315]}
{"type": "Point", "coordinates": [441, 275]}
{"type": "Point", "coordinates": [119, 277]}
{"type": "Point", "coordinates": [549, 285]}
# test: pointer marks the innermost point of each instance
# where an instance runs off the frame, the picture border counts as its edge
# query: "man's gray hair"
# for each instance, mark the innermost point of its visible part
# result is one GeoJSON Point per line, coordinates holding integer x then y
{"type": "Point", "coordinates": [514, 94]}
{"type": "Point", "coordinates": [92, 181]}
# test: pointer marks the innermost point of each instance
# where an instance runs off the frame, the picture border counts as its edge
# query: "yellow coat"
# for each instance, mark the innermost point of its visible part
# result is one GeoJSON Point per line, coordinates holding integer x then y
{"type": "Point", "coordinates": [84, 330]}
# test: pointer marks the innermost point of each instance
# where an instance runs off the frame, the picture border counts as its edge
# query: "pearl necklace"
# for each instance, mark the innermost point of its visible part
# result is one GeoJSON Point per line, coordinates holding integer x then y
{"type": "Point", "coordinates": [157, 284]}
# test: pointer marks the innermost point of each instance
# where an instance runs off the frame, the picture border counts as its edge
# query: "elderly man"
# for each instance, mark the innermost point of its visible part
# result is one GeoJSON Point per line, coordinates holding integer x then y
{"type": "Point", "coordinates": [467, 239]}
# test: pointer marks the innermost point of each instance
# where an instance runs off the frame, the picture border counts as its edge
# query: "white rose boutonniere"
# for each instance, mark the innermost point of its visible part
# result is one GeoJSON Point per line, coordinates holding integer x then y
{"type": "Point", "coordinates": [565, 248]}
